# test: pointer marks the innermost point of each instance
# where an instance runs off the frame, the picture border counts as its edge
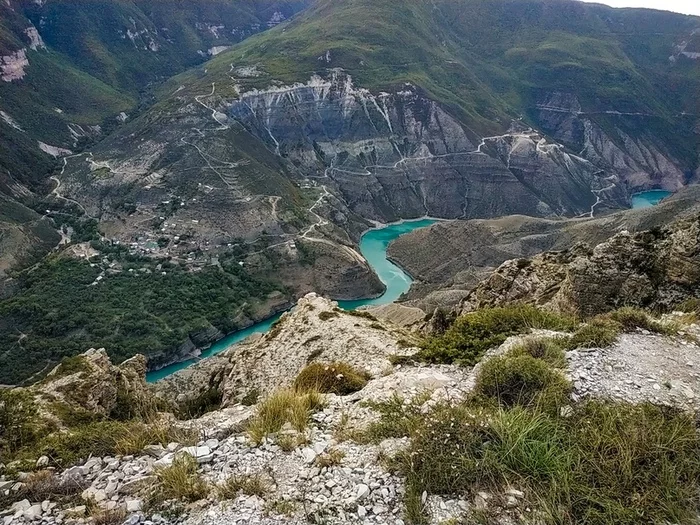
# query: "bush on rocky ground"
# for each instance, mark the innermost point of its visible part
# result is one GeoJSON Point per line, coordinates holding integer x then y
{"type": "Point", "coordinates": [102, 438]}
{"type": "Point", "coordinates": [19, 424]}
{"type": "Point", "coordinates": [248, 484]}
{"type": "Point", "coordinates": [632, 318]}
{"type": "Point", "coordinates": [109, 517]}
{"type": "Point", "coordinates": [180, 481]}
{"type": "Point", "coordinates": [331, 378]}
{"type": "Point", "coordinates": [44, 485]}
{"type": "Point", "coordinates": [285, 406]}
{"type": "Point", "coordinates": [547, 349]}
{"type": "Point", "coordinates": [466, 341]}
{"type": "Point", "coordinates": [521, 380]}
{"type": "Point", "coordinates": [597, 462]}
{"type": "Point", "coordinates": [599, 332]}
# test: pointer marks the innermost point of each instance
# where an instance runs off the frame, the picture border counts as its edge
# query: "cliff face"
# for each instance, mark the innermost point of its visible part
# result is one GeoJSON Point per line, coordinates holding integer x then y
{"type": "Point", "coordinates": [656, 269]}
{"type": "Point", "coordinates": [641, 161]}
{"type": "Point", "coordinates": [400, 154]}
{"type": "Point", "coordinates": [450, 258]}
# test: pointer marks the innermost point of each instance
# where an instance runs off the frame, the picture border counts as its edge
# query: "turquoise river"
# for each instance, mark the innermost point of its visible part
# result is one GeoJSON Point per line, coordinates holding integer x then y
{"type": "Point", "coordinates": [373, 246]}
{"type": "Point", "coordinates": [647, 199]}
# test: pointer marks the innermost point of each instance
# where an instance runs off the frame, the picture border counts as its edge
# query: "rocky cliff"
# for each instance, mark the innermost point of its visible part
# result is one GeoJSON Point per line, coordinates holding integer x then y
{"type": "Point", "coordinates": [331, 462]}
{"type": "Point", "coordinates": [449, 258]}
{"type": "Point", "coordinates": [656, 269]}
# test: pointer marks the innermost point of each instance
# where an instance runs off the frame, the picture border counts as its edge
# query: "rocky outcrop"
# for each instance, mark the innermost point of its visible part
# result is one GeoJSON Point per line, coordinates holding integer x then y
{"type": "Point", "coordinates": [637, 158]}
{"type": "Point", "coordinates": [12, 66]}
{"type": "Point", "coordinates": [89, 383]}
{"type": "Point", "coordinates": [656, 269]}
{"type": "Point", "coordinates": [400, 154]}
{"type": "Point", "coordinates": [448, 259]}
{"type": "Point", "coordinates": [356, 486]}
{"type": "Point", "coordinates": [315, 330]}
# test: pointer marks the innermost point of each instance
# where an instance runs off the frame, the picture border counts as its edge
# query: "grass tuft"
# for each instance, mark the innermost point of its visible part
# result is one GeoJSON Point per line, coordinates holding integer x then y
{"type": "Point", "coordinates": [109, 517]}
{"type": "Point", "coordinates": [249, 484]}
{"type": "Point", "coordinates": [633, 318]}
{"type": "Point", "coordinates": [180, 481]}
{"type": "Point", "coordinates": [605, 463]}
{"type": "Point", "coordinates": [331, 458]}
{"type": "Point", "coordinates": [522, 380]}
{"type": "Point", "coordinates": [599, 332]}
{"type": "Point", "coordinates": [331, 378]}
{"type": "Point", "coordinates": [549, 350]}
{"type": "Point", "coordinates": [285, 406]}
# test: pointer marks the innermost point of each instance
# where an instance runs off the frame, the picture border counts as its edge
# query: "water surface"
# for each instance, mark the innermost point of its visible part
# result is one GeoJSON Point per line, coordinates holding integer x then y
{"type": "Point", "coordinates": [373, 246]}
{"type": "Point", "coordinates": [647, 199]}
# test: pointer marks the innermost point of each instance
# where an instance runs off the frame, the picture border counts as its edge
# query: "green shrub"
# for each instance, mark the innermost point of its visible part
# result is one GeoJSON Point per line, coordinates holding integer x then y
{"type": "Point", "coordinates": [180, 481]}
{"type": "Point", "coordinates": [105, 438]}
{"type": "Point", "coordinates": [284, 406]}
{"type": "Point", "coordinates": [521, 380]}
{"type": "Point", "coordinates": [597, 333]}
{"type": "Point", "coordinates": [398, 417]}
{"type": "Point", "coordinates": [331, 378]}
{"type": "Point", "coordinates": [634, 464]}
{"type": "Point", "coordinates": [632, 318]}
{"type": "Point", "coordinates": [466, 341]}
{"type": "Point", "coordinates": [79, 443]}
{"type": "Point", "coordinates": [19, 424]}
{"type": "Point", "coordinates": [549, 350]}
{"type": "Point", "coordinates": [608, 463]}
{"type": "Point", "coordinates": [446, 452]}
{"type": "Point", "coordinates": [139, 435]}
{"type": "Point", "coordinates": [71, 365]}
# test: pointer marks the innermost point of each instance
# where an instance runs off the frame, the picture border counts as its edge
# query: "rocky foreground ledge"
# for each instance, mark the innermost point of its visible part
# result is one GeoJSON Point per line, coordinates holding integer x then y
{"type": "Point", "coordinates": [323, 471]}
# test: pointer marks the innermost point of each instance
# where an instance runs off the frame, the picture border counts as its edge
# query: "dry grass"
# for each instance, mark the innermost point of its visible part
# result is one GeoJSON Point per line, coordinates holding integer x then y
{"type": "Point", "coordinates": [332, 458]}
{"type": "Point", "coordinates": [142, 435]}
{"type": "Point", "coordinates": [284, 406]}
{"type": "Point", "coordinates": [331, 378]}
{"type": "Point", "coordinates": [45, 485]}
{"type": "Point", "coordinates": [249, 484]}
{"type": "Point", "coordinates": [109, 517]}
{"type": "Point", "coordinates": [180, 481]}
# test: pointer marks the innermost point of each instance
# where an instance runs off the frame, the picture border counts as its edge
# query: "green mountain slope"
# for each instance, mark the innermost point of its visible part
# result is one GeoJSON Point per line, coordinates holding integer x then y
{"type": "Point", "coordinates": [69, 68]}
{"type": "Point", "coordinates": [274, 155]}
{"type": "Point", "coordinates": [488, 60]}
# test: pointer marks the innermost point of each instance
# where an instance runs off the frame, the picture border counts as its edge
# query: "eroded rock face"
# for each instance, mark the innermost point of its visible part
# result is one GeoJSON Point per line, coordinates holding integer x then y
{"type": "Point", "coordinates": [657, 269]}
{"type": "Point", "coordinates": [315, 330]}
{"type": "Point", "coordinates": [91, 383]}
{"type": "Point", "coordinates": [12, 66]}
{"type": "Point", "coordinates": [397, 155]}
{"type": "Point", "coordinates": [641, 161]}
